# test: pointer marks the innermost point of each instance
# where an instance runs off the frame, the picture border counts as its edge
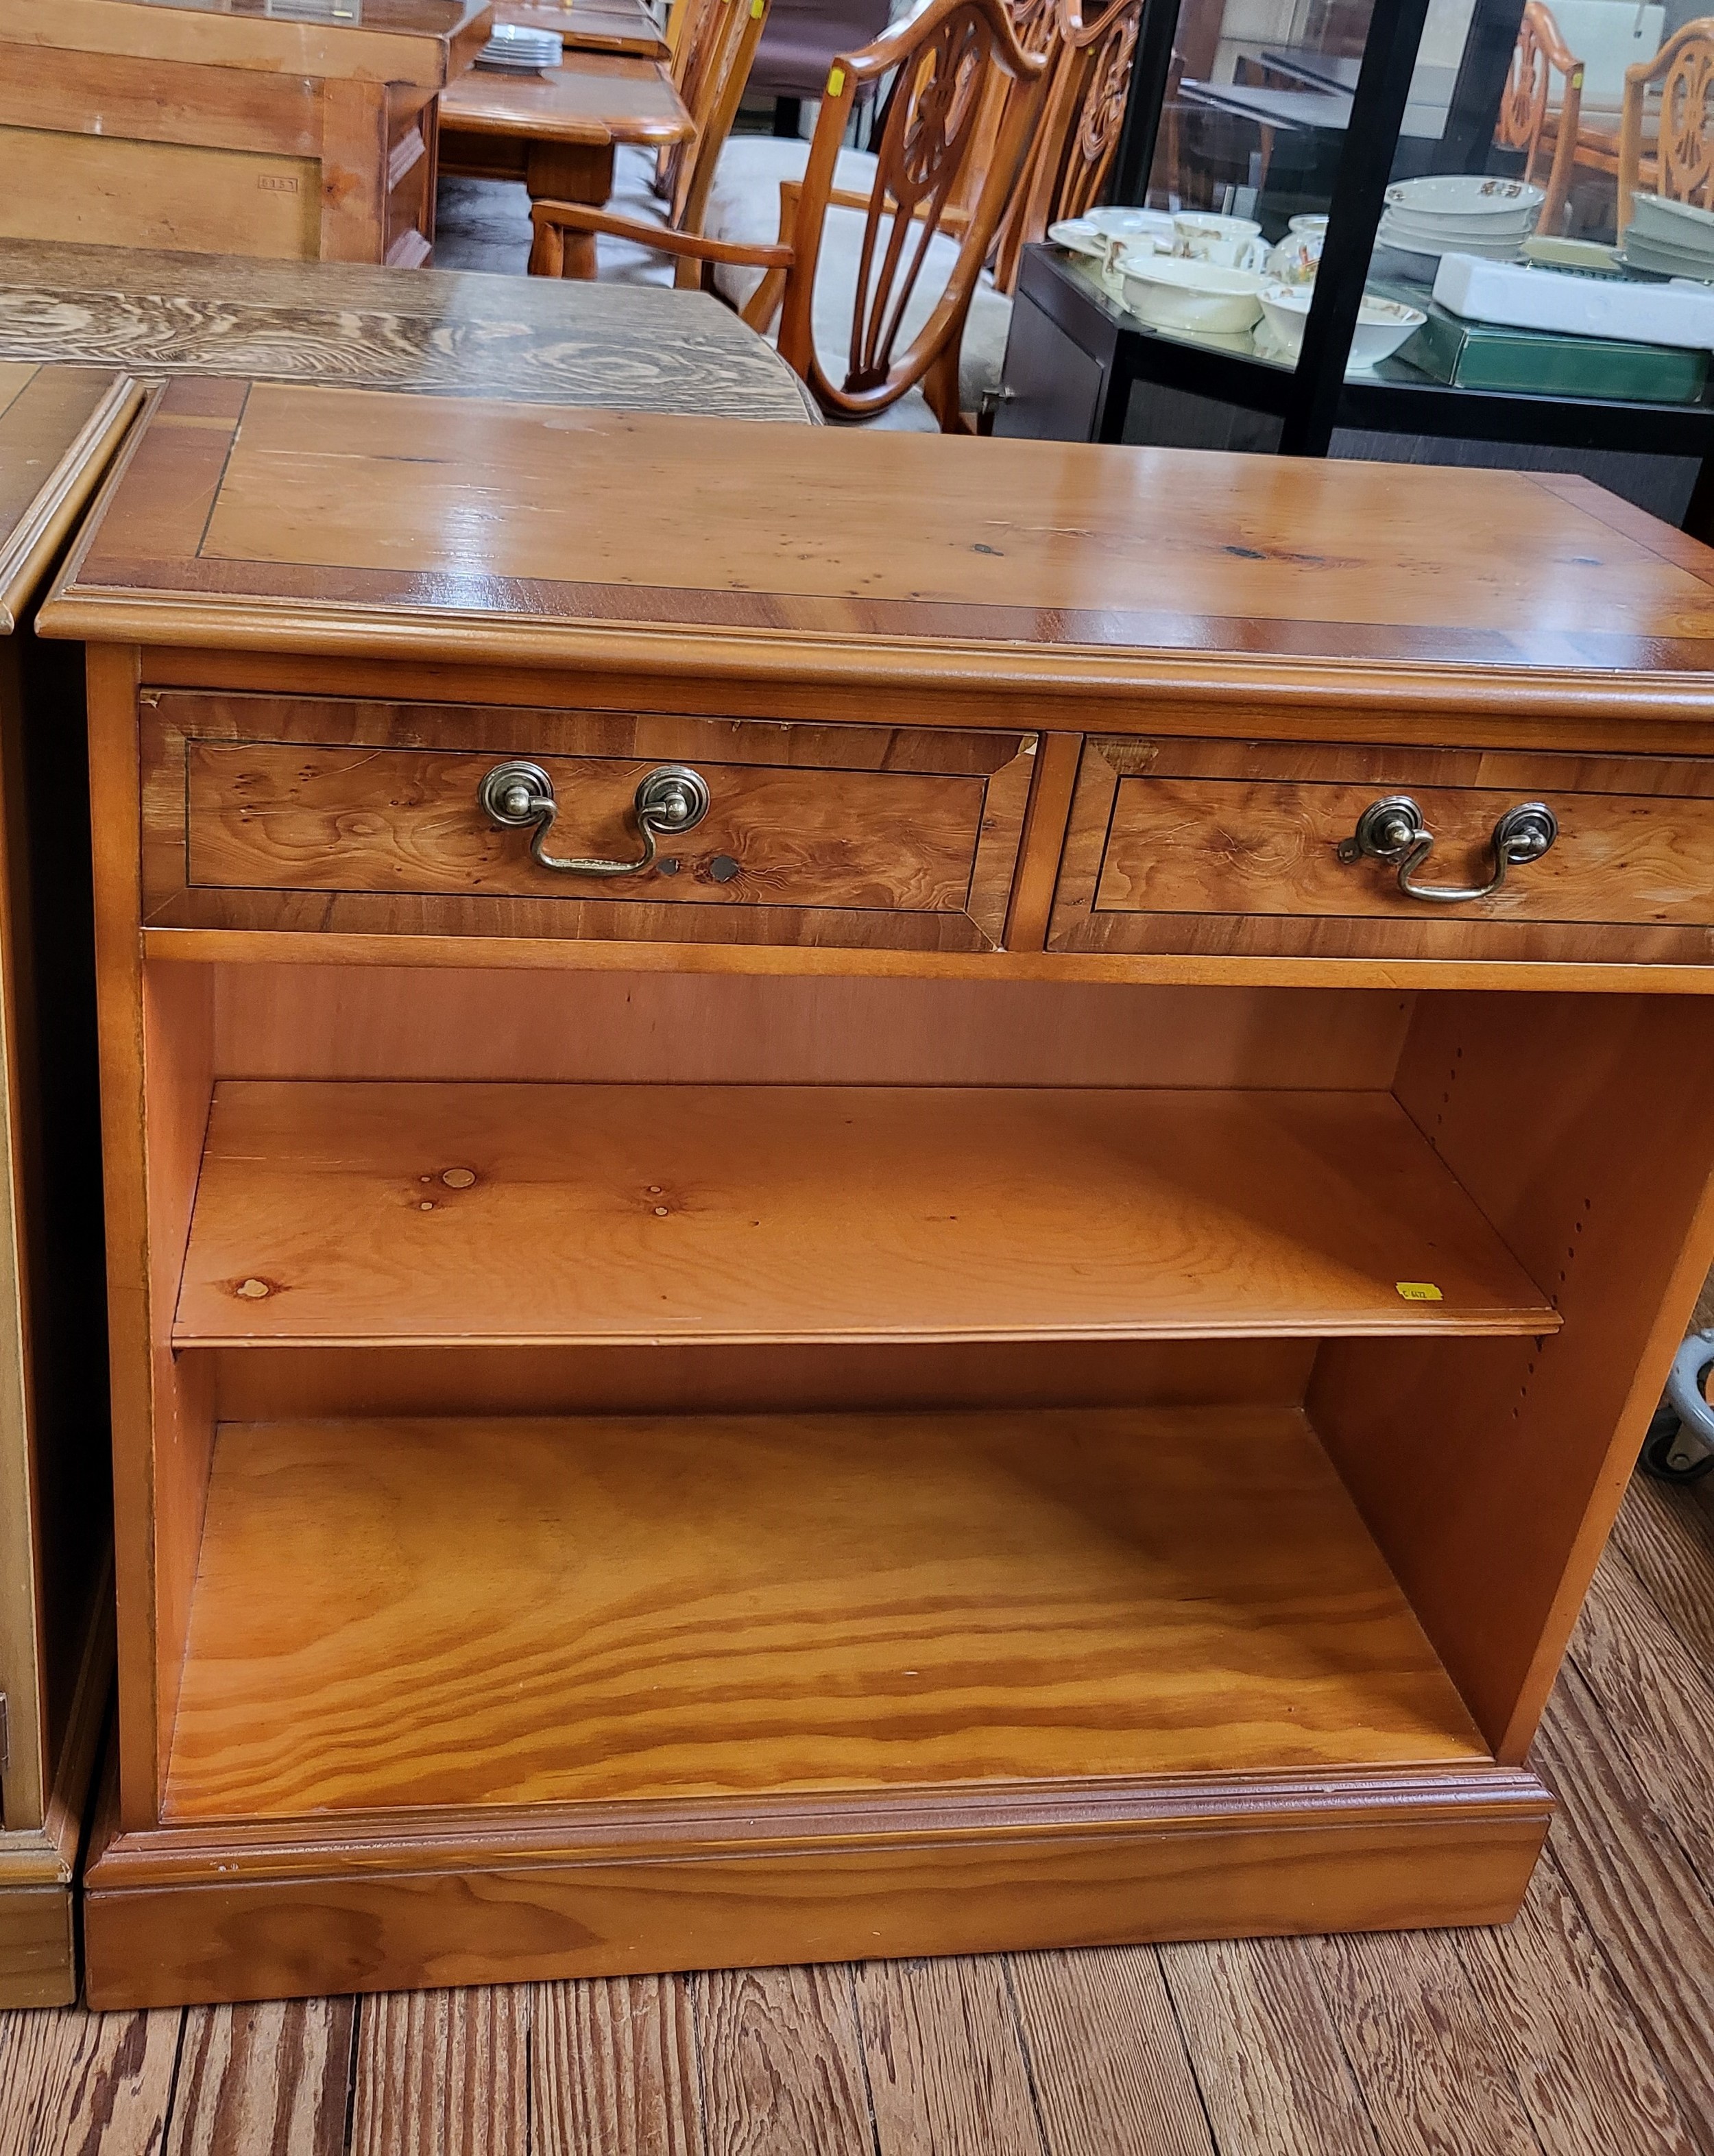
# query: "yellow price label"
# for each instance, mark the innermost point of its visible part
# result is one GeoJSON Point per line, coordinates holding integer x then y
{"type": "Point", "coordinates": [835, 81]}
{"type": "Point", "coordinates": [1419, 1290]}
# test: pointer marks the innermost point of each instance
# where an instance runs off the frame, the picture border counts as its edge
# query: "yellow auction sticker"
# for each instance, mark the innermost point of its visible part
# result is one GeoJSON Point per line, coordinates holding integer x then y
{"type": "Point", "coordinates": [835, 81]}
{"type": "Point", "coordinates": [1419, 1290]}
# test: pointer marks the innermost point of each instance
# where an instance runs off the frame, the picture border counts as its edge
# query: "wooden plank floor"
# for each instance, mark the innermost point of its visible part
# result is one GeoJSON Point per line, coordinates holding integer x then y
{"type": "Point", "coordinates": [1585, 2029]}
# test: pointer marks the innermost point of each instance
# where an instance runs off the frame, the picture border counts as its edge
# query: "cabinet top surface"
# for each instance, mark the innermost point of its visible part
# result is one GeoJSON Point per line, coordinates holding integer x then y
{"type": "Point", "coordinates": [57, 428]}
{"type": "Point", "coordinates": [319, 520]}
{"type": "Point", "coordinates": [360, 39]}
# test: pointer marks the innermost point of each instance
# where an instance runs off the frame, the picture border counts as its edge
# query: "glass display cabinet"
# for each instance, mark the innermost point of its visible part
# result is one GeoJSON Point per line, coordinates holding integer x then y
{"type": "Point", "coordinates": [1432, 218]}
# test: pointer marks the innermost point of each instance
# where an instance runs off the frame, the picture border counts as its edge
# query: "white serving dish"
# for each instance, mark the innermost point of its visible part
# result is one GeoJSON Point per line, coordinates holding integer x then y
{"type": "Point", "coordinates": [1674, 223]}
{"type": "Point", "coordinates": [1465, 195]}
{"type": "Point", "coordinates": [1120, 223]}
{"type": "Point", "coordinates": [1641, 253]}
{"type": "Point", "coordinates": [1519, 297]}
{"type": "Point", "coordinates": [1169, 293]}
{"type": "Point", "coordinates": [1382, 325]}
{"type": "Point", "coordinates": [1448, 233]}
{"type": "Point", "coordinates": [1078, 235]}
{"type": "Point", "coordinates": [1499, 250]}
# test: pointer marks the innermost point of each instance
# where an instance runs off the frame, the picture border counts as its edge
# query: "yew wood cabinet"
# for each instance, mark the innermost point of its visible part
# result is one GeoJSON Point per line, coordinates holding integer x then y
{"type": "Point", "coordinates": [865, 1197]}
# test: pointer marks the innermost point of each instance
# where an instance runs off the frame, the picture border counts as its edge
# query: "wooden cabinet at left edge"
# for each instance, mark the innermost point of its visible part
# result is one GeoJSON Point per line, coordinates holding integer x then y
{"type": "Point", "coordinates": [58, 427]}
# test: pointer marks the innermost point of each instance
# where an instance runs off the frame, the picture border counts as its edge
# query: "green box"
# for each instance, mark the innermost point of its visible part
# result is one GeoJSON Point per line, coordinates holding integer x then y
{"type": "Point", "coordinates": [1466, 355]}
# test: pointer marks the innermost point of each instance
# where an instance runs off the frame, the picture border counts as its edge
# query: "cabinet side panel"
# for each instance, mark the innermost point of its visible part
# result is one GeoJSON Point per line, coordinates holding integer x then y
{"type": "Point", "coordinates": [24, 1784]}
{"type": "Point", "coordinates": [157, 1056]}
{"type": "Point", "coordinates": [1490, 1472]}
{"type": "Point", "coordinates": [54, 1128]}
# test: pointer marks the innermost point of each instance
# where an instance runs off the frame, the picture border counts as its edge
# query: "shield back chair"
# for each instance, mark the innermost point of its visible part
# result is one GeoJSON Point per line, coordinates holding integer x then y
{"type": "Point", "coordinates": [1038, 25]}
{"type": "Point", "coordinates": [712, 54]}
{"type": "Point", "coordinates": [1529, 121]}
{"type": "Point", "coordinates": [1672, 89]}
{"type": "Point", "coordinates": [893, 278]}
{"type": "Point", "coordinates": [1079, 136]}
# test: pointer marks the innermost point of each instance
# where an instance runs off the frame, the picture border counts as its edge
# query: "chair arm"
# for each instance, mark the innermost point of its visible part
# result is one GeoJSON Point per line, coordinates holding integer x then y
{"type": "Point", "coordinates": [575, 216]}
{"type": "Point", "coordinates": [952, 218]}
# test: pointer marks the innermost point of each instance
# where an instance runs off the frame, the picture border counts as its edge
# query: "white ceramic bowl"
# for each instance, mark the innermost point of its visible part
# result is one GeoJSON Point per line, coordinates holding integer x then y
{"type": "Point", "coordinates": [1464, 195]}
{"type": "Point", "coordinates": [1169, 293]}
{"type": "Point", "coordinates": [1382, 325]}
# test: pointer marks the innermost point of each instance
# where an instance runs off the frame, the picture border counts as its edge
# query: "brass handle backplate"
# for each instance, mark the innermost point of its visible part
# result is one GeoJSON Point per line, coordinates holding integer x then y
{"type": "Point", "coordinates": [1394, 831]}
{"type": "Point", "coordinates": [671, 799]}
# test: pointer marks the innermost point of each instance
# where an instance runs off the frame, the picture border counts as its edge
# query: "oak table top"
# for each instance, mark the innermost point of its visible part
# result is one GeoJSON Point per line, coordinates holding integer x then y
{"type": "Point", "coordinates": [602, 535]}
{"type": "Point", "coordinates": [589, 26]}
{"type": "Point", "coordinates": [629, 348]}
{"type": "Point", "coordinates": [595, 99]}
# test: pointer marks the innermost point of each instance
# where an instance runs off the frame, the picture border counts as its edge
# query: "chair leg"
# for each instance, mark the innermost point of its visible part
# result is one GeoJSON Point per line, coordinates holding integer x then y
{"type": "Point", "coordinates": [548, 250]}
{"type": "Point", "coordinates": [940, 387]}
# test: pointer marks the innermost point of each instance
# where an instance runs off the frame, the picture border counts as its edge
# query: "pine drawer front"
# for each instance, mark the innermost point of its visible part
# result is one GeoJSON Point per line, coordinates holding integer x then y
{"type": "Point", "coordinates": [1220, 848]}
{"type": "Point", "coordinates": [303, 813]}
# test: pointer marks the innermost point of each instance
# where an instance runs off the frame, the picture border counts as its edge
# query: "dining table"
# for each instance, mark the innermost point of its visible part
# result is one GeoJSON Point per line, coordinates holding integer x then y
{"type": "Point", "coordinates": [556, 130]}
{"type": "Point", "coordinates": [588, 26]}
{"type": "Point", "coordinates": [623, 347]}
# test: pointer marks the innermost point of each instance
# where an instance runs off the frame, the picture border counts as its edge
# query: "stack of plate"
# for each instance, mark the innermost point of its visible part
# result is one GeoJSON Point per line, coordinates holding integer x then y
{"type": "Point", "coordinates": [1672, 239]}
{"type": "Point", "coordinates": [1461, 213]}
{"type": "Point", "coordinates": [516, 51]}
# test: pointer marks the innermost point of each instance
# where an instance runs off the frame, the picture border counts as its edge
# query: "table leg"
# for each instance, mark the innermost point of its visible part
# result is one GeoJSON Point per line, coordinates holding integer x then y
{"type": "Point", "coordinates": [574, 172]}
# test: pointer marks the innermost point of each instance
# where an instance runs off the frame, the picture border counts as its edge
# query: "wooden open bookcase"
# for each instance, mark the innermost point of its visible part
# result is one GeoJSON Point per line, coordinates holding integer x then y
{"type": "Point", "coordinates": [732, 1414]}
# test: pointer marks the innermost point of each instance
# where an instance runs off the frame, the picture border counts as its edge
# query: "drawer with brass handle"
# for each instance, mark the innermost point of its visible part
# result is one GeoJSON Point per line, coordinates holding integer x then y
{"type": "Point", "coordinates": [311, 814]}
{"type": "Point", "coordinates": [1324, 850]}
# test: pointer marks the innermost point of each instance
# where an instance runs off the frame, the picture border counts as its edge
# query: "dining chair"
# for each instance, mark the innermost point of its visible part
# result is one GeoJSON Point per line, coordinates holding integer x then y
{"type": "Point", "coordinates": [1681, 164]}
{"type": "Point", "coordinates": [715, 44]}
{"type": "Point", "coordinates": [878, 269]}
{"type": "Point", "coordinates": [1074, 147]}
{"type": "Point", "coordinates": [1530, 122]}
{"type": "Point", "coordinates": [1038, 23]}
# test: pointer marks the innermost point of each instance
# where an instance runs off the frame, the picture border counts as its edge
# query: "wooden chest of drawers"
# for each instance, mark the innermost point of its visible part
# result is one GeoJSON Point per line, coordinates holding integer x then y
{"type": "Point", "coordinates": [933, 1210]}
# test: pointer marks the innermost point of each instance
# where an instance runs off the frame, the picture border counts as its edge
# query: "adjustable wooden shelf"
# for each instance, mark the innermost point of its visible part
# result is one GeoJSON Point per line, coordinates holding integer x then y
{"type": "Point", "coordinates": [872, 1222]}
{"type": "Point", "coordinates": [59, 427]}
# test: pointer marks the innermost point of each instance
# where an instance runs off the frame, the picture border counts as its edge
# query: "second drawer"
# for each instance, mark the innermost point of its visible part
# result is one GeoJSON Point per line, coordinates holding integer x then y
{"type": "Point", "coordinates": [1250, 848]}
